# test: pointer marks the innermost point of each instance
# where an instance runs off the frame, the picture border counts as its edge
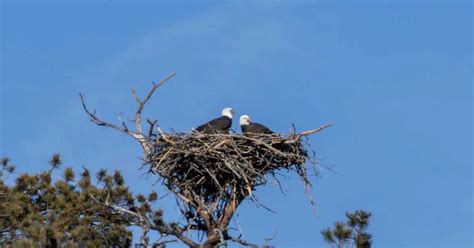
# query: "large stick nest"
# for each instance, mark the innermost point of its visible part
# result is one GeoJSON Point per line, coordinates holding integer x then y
{"type": "Point", "coordinates": [213, 164]}
{"type": "Point", "coordinates": [211, 174]}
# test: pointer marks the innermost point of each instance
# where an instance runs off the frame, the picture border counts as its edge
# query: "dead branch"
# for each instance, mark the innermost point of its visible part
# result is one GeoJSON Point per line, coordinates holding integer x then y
{"type": "Point", "coordinates": [312, 131]}
{"type": "Point", "coordinates": [100, 122]}
{"type": "Point", "coordinates": [214, 173]}
{"type": "Point", "coordinates": [211, 174]}
{"type": "Point", "coordinates": [138, 134]}
{"type": "Point", "coordinates": [141, 103]}
{"type": "Point", "coordinates": [146, 224]}
{"type": "Point", "coordinates": [243, 242]}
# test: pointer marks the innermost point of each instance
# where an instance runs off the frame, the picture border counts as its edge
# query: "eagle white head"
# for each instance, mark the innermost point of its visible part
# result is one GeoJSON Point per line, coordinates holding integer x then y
{"type": "Point", "coordinates": [244, 120]}
{"type": "Point", "coordinates": [228, 112]}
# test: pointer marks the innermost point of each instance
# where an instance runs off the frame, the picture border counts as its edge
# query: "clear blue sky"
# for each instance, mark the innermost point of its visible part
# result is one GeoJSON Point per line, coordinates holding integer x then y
{"type": "Point", "coordinates": [395, 78]}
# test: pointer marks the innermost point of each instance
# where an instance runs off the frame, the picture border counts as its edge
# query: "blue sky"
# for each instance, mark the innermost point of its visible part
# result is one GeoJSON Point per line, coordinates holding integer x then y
{"type": "Point", "coordinates": [394, 77]}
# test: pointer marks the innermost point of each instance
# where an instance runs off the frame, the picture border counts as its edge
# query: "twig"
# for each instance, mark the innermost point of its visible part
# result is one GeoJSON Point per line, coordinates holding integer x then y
{"type": "Point", "coordinates": [146, 224]}
{"type": "Point", "coordinates": [309, 132]}
{"type": "Point", "coordinates": [138, 133]}
{"type": "Point", "coordinates": [211, 174]}
{"type": "Point", "coordinates": [243, 242]}
{"type": "Point", "coordinates": [100, 122]}
{"type": "Point", "coordinates": [141, 104]}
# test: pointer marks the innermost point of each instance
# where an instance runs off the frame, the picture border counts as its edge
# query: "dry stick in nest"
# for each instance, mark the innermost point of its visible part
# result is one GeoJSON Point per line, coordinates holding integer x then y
{"type": "Point", "coordinates": [208, 148]}
{"type": "Point", "coordinates": [244, 162]}
{"type": "Point", "coordinates": [221, 157]}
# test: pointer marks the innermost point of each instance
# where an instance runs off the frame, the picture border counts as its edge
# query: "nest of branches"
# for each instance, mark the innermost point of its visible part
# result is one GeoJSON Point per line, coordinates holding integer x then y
{"type": "Point", "coordinates": [211, 174]}
{"type": "Point", "coordinates": [213, 164]}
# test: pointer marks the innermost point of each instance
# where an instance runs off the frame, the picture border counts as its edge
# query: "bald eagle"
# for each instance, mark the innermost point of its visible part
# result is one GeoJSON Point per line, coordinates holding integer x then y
{"type": "Point", "coordinates": [218, 125]}
{"type": "Point", "coordinates": [253, 127]}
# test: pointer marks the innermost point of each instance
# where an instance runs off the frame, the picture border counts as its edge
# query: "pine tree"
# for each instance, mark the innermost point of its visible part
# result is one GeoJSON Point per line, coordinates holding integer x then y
{"type": "Point", "coordinates": [37, 212]}
{"type": "Point", "coordinates": [352, 233]}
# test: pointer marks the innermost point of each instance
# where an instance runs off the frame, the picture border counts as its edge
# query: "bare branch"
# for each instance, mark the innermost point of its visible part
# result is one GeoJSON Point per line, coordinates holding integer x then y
{"type": "Point", "coordinates": [138, 133]}
{"type": "Point", "coordinates": [100, 122]}
{"type": "Point", "coordinates": [164, 242]}
{"type": "Point", "coordinates": [152, 126]}
{"type": "Point", "coordinates": [243, 242]}
{"type": "Point", "coordinates": [135, 96]}
{"type": "Point", "coordinates": [211, 174]}
{"type": "Point", "coordinates": [141, 104]}
{"type": "Point", "coordinates": [164, 136]}
{"type": "Point", "coordinates": [229, 211]}
{"type": "Point", "coordinates": [146, 224]}
{"type": "Point", "coordinates": [270, 238]}
{"type": "Point", "coordinates": [312, 131]}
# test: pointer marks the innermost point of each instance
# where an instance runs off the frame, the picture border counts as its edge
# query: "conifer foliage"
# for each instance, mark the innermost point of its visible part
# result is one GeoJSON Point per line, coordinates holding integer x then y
{"type": "Point", "coordinates": [38, 211]}
{"type": "Point", "coordinates": [352, 233]}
